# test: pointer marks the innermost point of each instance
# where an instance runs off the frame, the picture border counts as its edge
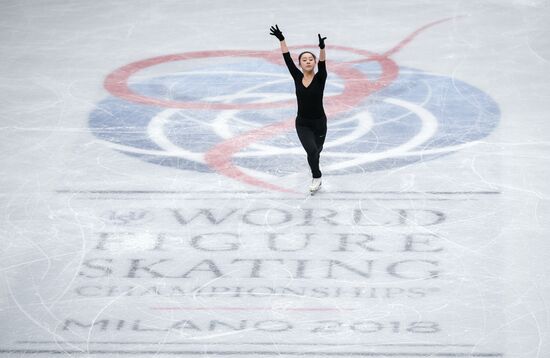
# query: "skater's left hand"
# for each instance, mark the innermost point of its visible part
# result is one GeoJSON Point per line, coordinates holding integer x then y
{"type": "Point", "coordinates": [321, 41]}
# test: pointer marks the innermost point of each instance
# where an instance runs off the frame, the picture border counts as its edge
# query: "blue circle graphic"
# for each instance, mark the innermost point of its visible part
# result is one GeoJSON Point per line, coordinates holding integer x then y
{"type": "Point", "coordinates": [419, 116]}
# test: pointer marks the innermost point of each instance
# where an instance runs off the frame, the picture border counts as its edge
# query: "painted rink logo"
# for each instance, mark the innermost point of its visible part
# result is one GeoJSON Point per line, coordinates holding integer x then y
{"type": "Point", "coordinates": [232, 112]}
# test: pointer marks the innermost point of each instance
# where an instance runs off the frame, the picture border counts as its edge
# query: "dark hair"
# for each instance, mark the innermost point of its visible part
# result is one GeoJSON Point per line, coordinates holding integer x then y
{"type": "Point", "coordinates": [300, 55]}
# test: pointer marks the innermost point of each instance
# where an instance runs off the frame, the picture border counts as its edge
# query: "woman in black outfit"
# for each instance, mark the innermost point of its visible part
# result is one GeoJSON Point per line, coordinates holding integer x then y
{"type": "Point", "coordinates": [311, 121]}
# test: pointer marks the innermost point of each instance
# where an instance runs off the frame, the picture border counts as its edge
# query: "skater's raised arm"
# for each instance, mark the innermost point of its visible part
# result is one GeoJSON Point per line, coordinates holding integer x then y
{"type": "Point", "coordinates": [322, 57]}
{"type": "Point", "coordinates": [294, 71]}
{"type": "Point", "coordinates": [274, 30]}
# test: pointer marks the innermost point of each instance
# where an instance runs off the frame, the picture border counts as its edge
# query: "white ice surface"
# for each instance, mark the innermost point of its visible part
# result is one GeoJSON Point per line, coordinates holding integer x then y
{"type": "Point", "coordinates": [81, 221]}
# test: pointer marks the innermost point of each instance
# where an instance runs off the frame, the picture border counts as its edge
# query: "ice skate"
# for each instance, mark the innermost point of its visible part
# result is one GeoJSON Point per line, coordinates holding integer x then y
{"type": "Point", "coordinates": [315, 185]}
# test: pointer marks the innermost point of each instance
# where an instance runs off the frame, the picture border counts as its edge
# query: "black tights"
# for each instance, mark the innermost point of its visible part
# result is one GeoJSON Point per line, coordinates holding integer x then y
{"type": "Point", "coordinates": [312, 138]}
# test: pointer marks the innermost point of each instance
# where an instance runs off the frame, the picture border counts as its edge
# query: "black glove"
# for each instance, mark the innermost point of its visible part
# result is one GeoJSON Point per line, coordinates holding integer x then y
{"type": "Point", "coordinates": [321, 41]}
{"type": "Point", "coordinates": [277, 33]}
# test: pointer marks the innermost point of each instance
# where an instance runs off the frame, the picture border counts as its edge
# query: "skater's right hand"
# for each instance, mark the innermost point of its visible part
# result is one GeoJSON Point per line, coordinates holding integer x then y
{"type": "Point", "coordinates": [277, 33]}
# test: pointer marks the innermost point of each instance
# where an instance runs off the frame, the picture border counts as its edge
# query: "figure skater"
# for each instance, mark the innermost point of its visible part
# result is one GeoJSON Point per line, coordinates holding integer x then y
{"type": "Point", "coordinates": [311, 121]}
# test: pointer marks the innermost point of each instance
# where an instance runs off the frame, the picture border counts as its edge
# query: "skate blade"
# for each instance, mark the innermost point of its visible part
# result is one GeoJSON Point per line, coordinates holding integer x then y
{"type": "Point", "coordinates": [313, 191]}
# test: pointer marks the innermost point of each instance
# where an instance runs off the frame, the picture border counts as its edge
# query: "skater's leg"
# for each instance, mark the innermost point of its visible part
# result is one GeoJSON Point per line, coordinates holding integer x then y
{"type": "Point", "coordinates": [320, 135]}
{"type": "Point", "coordinates": [309, 141]}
